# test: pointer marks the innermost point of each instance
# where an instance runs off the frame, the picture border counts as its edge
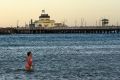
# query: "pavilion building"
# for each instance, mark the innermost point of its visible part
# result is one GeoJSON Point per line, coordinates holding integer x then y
{"type": "Point", "coordinates": [44, 21]}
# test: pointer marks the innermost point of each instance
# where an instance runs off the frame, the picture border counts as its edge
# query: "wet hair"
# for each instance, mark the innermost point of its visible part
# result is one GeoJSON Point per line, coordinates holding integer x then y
{"type": "Point", "coordinates": [28, 53]}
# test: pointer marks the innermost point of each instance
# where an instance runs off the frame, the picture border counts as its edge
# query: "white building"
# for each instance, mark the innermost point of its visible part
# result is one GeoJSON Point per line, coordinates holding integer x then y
{"type": "Point", "coordinates": [44, 21]}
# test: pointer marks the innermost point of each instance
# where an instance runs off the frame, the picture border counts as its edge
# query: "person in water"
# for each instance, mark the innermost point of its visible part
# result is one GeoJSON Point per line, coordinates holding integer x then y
{"type": "Point", "coordinates": [28, 65]}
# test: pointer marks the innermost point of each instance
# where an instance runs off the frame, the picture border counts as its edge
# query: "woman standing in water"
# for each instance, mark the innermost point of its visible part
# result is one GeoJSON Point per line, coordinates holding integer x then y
{"type": "Point", "coordinates": [28, 65]}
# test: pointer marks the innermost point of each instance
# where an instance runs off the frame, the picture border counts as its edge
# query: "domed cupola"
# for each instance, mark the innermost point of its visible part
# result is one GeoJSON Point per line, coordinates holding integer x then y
{"type": "Point", "coordinates": [44, 15]}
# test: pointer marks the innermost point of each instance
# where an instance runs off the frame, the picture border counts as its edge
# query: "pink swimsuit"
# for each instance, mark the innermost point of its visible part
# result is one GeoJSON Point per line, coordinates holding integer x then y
{"type": "Point", "coordinates": [28, 64]}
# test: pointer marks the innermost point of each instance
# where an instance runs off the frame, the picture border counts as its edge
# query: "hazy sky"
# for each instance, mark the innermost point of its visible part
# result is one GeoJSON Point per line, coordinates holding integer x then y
{"type": "Point", "coordinates": [70, 11]}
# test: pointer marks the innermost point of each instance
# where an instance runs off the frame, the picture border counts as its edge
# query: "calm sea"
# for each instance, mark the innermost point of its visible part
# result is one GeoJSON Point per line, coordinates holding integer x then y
{"type": "Point", "coordinates": [61, 56]}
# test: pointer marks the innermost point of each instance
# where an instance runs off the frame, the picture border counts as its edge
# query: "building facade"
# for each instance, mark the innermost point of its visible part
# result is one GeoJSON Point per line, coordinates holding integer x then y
{"type": "Point", "coordinates": [44, 21]}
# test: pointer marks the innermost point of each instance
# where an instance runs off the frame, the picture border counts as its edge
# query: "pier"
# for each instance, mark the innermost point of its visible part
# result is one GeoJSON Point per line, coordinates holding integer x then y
{"type": "Point", "coordinates": [84, 30]}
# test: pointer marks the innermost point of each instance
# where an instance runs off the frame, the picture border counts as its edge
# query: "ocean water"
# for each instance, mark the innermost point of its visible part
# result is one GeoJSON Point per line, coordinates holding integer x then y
{"type": "Point", "coordinates": [61, 56]}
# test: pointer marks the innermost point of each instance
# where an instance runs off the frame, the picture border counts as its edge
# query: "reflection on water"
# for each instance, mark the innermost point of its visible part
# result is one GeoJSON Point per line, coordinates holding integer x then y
{"type": "Point", "coordinates": [61, 56]}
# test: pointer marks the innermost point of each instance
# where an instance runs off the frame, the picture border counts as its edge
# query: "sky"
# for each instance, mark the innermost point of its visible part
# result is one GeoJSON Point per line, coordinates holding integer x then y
{"type": "Point", "coordinates": [69, 11]}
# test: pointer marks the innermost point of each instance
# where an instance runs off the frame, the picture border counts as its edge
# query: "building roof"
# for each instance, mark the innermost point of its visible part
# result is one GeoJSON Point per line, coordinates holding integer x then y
{"type": "Point", "coordinates": [105, 20]}
{"type": "Point", "coordinates": [44, 16]}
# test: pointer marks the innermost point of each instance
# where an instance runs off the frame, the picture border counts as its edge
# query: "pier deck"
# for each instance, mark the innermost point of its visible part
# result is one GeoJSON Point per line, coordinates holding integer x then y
{"type": "Point", "coordinates": [96, 30]}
